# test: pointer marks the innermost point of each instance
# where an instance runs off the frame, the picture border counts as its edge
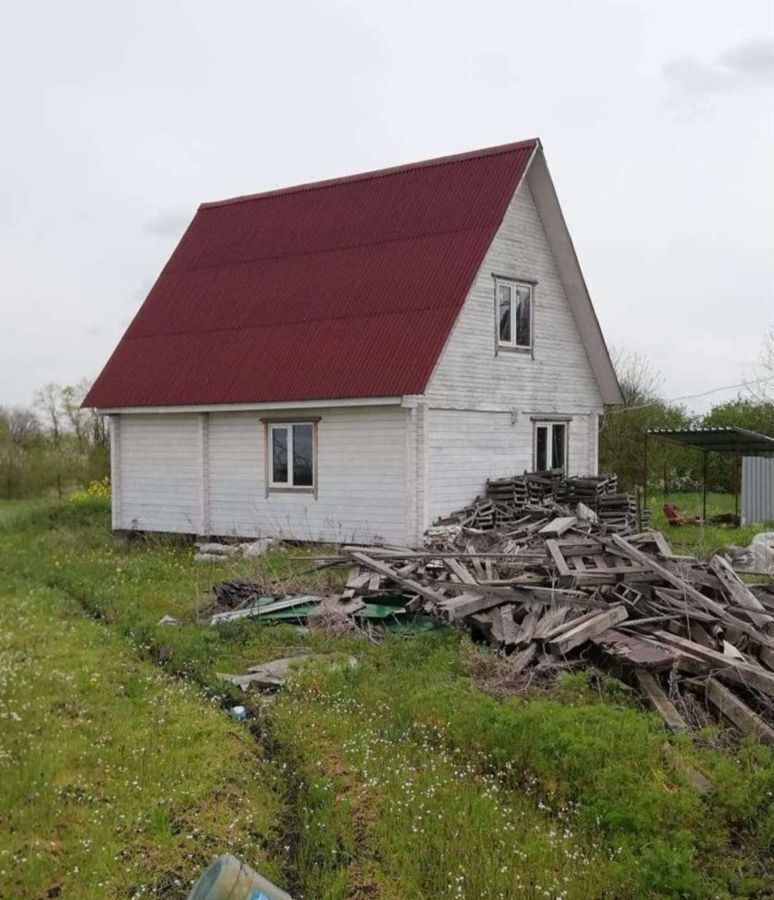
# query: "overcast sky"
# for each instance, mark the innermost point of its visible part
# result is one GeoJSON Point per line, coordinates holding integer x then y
{"type": "Point", "coordinates": [657, 118]}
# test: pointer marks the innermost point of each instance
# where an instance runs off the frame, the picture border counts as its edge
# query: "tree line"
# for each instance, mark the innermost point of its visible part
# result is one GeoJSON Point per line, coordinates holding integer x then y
{"type": "Point", "coordinates": [52, 446]}
{"type": "Point", "coordinates": [672, 468]}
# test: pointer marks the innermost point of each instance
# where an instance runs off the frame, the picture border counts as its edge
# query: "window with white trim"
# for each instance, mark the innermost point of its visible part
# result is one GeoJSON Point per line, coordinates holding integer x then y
{"type": "Point", "coordinates": [292, 459]}
{"type": "Point", "coordinates": [550, 446]}
{"type": "Point", "coordinates": [514, 305]}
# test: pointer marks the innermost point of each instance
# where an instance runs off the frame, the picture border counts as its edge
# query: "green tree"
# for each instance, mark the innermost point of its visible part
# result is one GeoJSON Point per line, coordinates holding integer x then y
{"type": "Point", "coordinates": [750, 413]}
{"type": "Point", "coordinates": [622, 435]}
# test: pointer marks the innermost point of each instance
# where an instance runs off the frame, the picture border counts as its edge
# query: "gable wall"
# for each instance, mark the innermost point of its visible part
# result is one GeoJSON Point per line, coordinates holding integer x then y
{"type": "Point", "coordinates": [482, 402]}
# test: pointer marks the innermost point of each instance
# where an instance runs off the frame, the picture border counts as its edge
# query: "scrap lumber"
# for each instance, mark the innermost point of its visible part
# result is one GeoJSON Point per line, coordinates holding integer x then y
{"type": "Point", "coordinates": [586, 630]}
{"type": "Point", "coordinates": [662, 704]}
{"type": "Point", "coordinates": [410, 584]}
{"type": "Point", "coordinates": [635, 650]}
{"type": "Point", "coordinates": [558, 572]}
{"type": "Point", "coordinates": [459, 570]}
{"type": "Point", "coordinates": [558, 526]}
{"type": "Point", "coordinates": [521, 660]}
{"type": "Point", "coordinates": [743, 673]}
{"type": "Point", "coordinates": [739, 593]}
{"type": "Point", "coordinates": [738, 712]}
{"type": "Point", "coordinates": [467, 604]}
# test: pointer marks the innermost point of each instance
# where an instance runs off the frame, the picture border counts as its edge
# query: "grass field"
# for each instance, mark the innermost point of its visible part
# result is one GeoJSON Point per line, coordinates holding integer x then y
{"type": "Point", "coordinates": [397, 779]}
{"type": "Point", "coordinates": [702, 540]}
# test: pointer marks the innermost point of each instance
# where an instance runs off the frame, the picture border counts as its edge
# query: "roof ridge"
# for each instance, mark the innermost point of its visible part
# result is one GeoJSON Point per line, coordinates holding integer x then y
{"type": "Point", "coordinates": [434, 162]}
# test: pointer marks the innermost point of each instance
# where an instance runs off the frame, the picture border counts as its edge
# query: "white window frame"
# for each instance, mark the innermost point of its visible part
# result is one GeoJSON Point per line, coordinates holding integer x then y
{"type": "Point", "coordinates": [549, 425]}
{"type": "Point", "coordinates": [514, 283]}
{"type": "Point", "coordinates": [272, 425]}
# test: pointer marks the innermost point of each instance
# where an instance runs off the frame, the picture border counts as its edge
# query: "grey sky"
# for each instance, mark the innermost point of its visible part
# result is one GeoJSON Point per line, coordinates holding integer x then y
{"type": "Point", "coordinates": [657, 119]}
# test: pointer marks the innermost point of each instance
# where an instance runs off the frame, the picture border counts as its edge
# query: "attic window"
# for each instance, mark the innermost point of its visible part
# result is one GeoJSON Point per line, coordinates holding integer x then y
{"type": "Point", "coordinates": [513, 301]}
{"type": "Point", "coordinates": [291, 451]}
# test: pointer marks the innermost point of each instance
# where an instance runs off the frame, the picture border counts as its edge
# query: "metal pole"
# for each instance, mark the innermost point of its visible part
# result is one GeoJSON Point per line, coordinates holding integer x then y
{"type": "Point", "coordinates": [704, 489]}
{"type": "Point", "coordinates": [645, 471]}
{"type": "Point", "coordinates": [737, 482]}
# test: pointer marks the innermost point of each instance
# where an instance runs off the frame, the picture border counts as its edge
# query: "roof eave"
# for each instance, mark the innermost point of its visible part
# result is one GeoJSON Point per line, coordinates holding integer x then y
{"type": "Point", "coordinates": [571, 275]}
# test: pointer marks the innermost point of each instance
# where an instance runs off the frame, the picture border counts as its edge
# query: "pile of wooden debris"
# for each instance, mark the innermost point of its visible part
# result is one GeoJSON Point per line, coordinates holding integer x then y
{"type": "Point", "coordinates": [549, 585]}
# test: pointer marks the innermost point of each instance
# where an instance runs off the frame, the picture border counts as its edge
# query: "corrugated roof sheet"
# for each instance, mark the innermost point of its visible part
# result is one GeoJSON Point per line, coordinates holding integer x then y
{"type": "Point", "coordinates": [718, 439]}
{"type": "Point", "coordinates": [340, 289]}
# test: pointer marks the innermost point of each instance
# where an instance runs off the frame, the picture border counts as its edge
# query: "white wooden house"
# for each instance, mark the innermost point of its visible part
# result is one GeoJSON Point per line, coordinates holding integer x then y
{"type": "Point", "coordinates": [350, 359]}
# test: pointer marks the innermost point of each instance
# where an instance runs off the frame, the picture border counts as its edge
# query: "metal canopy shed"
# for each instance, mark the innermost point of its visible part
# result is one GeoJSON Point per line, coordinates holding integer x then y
{"type": "Point", "coordinates": [727, 439]}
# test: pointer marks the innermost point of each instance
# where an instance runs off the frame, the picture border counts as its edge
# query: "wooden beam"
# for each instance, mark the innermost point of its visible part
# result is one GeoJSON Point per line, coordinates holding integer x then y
{"type": "Point", "coordinates": [559, 525]}
{"type": "Point", "coordinates": [382, 568]}
{"type": "Point", "coordinates": [456, 568]}
{"type": "Point", "coordinates": [663, 705]}
{"type": "Point", "coordinates": [738, 712]}
{"type": "Point", "coordinates": [740, 672]}
{"type": "Point", "coordinates": [594, 626]}
{"type": "Point", "coordinates": [687, 590]}
{"type": "Point", "coordinates": [739, 593]}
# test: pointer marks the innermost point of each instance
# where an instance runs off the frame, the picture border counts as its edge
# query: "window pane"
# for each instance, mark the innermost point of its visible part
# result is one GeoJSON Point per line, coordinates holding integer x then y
{"type": "Point", "coordinates": [523, 304]}
{"type": "Point", "coordinates": [504, 312]}
{"type": "Point", "coordinates": [541, 448]}
{"type": "Point", "coordinates": [279, 455]}
{"type": "Point", "coordinates": [557, 446]}
{"type": "Point", "coordinates": [303, 456]}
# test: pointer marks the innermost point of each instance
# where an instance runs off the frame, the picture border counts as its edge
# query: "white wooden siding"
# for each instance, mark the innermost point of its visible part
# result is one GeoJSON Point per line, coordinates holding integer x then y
{"type": "Point", "coordinates": [467, 447]}
{"type": "Point", "coordinates": [158, 485]}
{"type": "Point", "coordinates": [206, 474]}
{"type": "Point", "coordinates": [477, 390]}
{"type": "Point", "coordinates": [559, 377]}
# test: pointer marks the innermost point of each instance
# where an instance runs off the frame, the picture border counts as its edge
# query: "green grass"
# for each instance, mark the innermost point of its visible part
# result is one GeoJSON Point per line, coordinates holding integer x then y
{"type": "Point", "coordinates": [115, 781]}
{"type": "Point", "coordinates": [398, 779]}
{"type": "Point", "coordinates": [700, 540]}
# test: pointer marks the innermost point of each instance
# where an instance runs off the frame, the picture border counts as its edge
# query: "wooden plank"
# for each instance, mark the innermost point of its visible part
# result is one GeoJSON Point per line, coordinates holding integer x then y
{"type": "Point", "coordinates": [738, 712]}
{"type": "Point", "coordinates": [527, 627]}
{"type": "Point", "coordinates": [456, 608]}
{"type": "Point", "coordinates": [550, 620]}
{"type": "Point", "coordinates": [521, 660]}
{"type": "Point", "coordinates": [652, 537]}
{"type": "Point", "coordinates": [495, 615]}
{"type": "Point", "coordinates": [558, 526]}
{"type": "Point", "coordinates": [739, 672]}
{"type": "Point", "coordinates": [581, 633]}
{"type": "Point", "coordinates": [482, 621]}
{"type": "Point", "coordinates": [739, 593]}
{"type": "Point", "coordinates": [557, 558]}
{"type": "Point", "coordinates": [766, 656]}
{"type": "Point", "coordinates": [357, 579]}
{"type": "Point", "coordinates": [687, 589]}
{"type": "Point", "coordinates": [562, 627]}
{"type": "Point", "coordinates": [508, 624]}
{"type": "Point", "coordinates": [635, 650]}
{"type": "Point", "coordinates": [410, 584]}
{"type": "Point", "coordinates": [456, 568]}
{"type": "Point", "coordinates": [662, 704]}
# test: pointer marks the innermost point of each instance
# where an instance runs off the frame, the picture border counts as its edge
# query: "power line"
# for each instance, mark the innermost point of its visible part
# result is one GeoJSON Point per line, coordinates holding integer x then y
{"type": "Point", "coordinates": [716, 390]}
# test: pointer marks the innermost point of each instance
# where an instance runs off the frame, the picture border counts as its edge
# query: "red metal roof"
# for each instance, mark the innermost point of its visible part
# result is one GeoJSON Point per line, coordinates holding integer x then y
{"type": "Point", "coordinates": [339, 289]}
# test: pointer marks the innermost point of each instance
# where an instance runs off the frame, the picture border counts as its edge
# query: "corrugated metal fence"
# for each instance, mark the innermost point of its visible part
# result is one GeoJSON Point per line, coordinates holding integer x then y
{"type": "Point", "coordinates": [757, 489]}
